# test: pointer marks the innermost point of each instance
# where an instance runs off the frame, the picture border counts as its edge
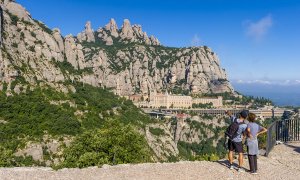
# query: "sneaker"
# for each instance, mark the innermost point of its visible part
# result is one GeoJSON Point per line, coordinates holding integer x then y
{"type": "Point", "coordinates": [241, 170]}
{"type": "Point", "coordinates": [231, 167]}
{"type": "Point", "coordinates": [254, 172]}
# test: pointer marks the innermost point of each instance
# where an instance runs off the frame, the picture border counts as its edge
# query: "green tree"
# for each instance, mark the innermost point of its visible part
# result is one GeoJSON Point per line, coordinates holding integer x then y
{"type": "Point", "coordinates": [114, 143]}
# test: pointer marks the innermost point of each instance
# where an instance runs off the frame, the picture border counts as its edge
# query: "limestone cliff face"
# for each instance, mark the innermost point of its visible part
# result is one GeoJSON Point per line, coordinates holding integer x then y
{"type": "Point", "coordinates": [30, 51]}
{"type": "Point", "coordinates": [194, 130]}
{"type": "Point", "coordinates": [124, 59]}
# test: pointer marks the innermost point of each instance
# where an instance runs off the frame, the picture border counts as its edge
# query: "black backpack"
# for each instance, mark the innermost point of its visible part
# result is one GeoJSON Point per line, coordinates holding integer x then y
{"type": "Point", "coordinates": [231, 131]}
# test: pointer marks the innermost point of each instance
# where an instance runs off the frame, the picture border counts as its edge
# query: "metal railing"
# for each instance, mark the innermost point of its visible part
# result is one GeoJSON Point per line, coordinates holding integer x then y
{"type": "Point", "coordinates": [288, 130]}
{"type": "Point", "coordinates": [271, 137]}
{"type": "Point", "coordinates": [284, 131]}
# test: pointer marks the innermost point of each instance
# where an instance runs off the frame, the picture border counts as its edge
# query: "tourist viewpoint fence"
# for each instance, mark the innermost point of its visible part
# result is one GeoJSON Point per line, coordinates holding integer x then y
{"type": "Point", "coordinates": [282, 131]}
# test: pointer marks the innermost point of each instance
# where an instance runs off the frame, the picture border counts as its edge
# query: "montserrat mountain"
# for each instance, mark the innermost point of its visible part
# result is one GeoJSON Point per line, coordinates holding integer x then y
{"type": "Point", "coordinates": [55, 88]}
{"type": "Point", "coordinates": [124, 59]}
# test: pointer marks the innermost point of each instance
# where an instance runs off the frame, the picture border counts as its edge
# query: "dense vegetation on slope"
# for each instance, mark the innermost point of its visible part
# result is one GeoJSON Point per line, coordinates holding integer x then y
{"type": "Point", "coordinates": [29, 116]}
{"type": "Point", "coordinates": [102, 126]}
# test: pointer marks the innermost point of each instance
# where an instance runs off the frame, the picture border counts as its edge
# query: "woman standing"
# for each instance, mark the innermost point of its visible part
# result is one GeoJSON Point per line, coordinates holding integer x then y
{"type": "Point", "coordinates": [253, 130]}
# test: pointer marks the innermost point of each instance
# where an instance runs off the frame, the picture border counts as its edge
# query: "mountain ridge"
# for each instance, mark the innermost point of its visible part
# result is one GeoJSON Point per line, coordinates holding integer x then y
{"type": "Point", "coordinates": [125, 59]}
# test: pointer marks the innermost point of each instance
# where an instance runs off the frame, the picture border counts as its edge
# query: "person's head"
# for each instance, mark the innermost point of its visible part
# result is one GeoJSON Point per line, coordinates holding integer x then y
{"type": "Point", "coordinates": [243, 114]}
{"type": "Point", "coordinates": [251, 117]}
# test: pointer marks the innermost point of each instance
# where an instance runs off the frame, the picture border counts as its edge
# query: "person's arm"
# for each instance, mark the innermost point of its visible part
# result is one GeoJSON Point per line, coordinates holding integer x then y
{"type": "Point", "coordinates": [263, 130]}
{"type": "Point", "coordinates": [245, 133]}
{"type": "Point", "coordinates": [248, 131]}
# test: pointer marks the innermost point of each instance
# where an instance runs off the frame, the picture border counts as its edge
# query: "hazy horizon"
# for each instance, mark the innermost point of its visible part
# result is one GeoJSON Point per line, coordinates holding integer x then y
{"type": "Point", "coordinates": [280, 94]}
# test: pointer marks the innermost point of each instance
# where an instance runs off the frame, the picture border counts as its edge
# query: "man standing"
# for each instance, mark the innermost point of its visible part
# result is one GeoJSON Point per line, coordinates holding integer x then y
{"type": "Point", "coordinates": [236, 144]}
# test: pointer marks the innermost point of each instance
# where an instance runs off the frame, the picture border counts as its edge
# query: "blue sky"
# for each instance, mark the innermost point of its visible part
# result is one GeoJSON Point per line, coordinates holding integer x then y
{"type": "Point", "coordinates": [257, 41]}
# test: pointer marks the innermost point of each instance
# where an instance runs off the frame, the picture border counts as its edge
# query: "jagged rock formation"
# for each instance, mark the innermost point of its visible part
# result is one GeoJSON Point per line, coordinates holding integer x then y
{"type": "Point", "coordinates": [125, 35]}
{"type": "Point", "coordinates": [124, 59]}
{"type": "Point", "coordinates": [194, 130]}
{"type": "Point", "coordinates": [163, 146]}
{"type": "Point", "coordinates": [112, 27]}
{"type": "Point", "coordinates": [87, 34]}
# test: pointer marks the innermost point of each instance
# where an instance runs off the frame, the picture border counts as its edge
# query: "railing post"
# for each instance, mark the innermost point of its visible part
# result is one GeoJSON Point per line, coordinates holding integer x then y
{"type": "Point", "coordinates": [298, 129]}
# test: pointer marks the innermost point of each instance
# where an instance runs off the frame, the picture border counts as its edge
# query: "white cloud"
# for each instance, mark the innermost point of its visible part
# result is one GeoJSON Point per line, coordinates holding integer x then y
{"type": "Point", "coordinates": [240, 81]}
{"type": "Point", "coordinates": [262, 82]}
{"type": "Point", "coordinates": [267, 82]}
{"type": "Point", "coordinates": [259, 29]}
{"type": "Point", "coordinates": [196, 40]}
{"type": "Point", "coordinates": [254, 82]}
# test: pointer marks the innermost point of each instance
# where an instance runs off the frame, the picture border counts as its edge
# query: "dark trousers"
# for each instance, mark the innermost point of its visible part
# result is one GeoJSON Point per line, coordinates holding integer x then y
{"type": "Point", "coordinates": [252, 162]}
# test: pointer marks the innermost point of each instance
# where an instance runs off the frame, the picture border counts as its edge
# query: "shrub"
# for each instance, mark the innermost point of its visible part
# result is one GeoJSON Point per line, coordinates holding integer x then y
{"type": "Point", "coordinates": [157, 131]}
{"type": "Point", "coordinates": [31, 48]}
{"type": "Point", "coordinates": [5, 157]}
{"type": "Point", "coordinates": [22, 35]}
{"type": "Point", "coordinates": [15, 45]}
{"type": "Point", "coordinates": [39, 42]}
{"type": "Point", "coordinates": [14, 18]}
{"type": "Point", "coordinates": [114, 143]}
{"type": "Point", "coordinates": [33, 34]}
{"type": "Point", "coordinates": [65, 67]}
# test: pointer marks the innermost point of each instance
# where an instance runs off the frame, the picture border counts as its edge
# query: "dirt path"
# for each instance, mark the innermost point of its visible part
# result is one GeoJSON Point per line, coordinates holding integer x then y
{"type": "Point", "coordinates": [282, 163]}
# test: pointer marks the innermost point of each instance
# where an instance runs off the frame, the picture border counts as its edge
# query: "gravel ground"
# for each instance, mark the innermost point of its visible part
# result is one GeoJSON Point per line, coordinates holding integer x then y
{"type": "Point", "coordinates": [282, 163]}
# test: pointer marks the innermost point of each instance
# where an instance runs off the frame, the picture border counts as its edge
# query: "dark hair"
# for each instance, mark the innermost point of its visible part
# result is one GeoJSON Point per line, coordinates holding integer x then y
{"type": "Point", "coordinates": [244, 114]}
{"type": "Point", "coordinates": [251, 117]}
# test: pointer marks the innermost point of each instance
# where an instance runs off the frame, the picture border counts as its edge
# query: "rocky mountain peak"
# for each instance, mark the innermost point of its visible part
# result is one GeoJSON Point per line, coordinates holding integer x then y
{"type": "Point", "coordinates": [87, 34]}
{"type": "Point", "coordinates": [5, 1]}
{"type": "Point", "coordinates": [112, 27]}
{"type": "Point", "coordinates": [56, 30]}
{"type": "Point", "coordinates": [88, 26]}
{"type": "Point", "coordinates": [58, 37]}
{"type": "Point", "coordinates": [127, 31]}
{"type": "Point", "coordinates": [17, 10]}
{"type": "Point", "coordinates": [138, 30]}
{"type": "Point", "coordinates": [154, 41]}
